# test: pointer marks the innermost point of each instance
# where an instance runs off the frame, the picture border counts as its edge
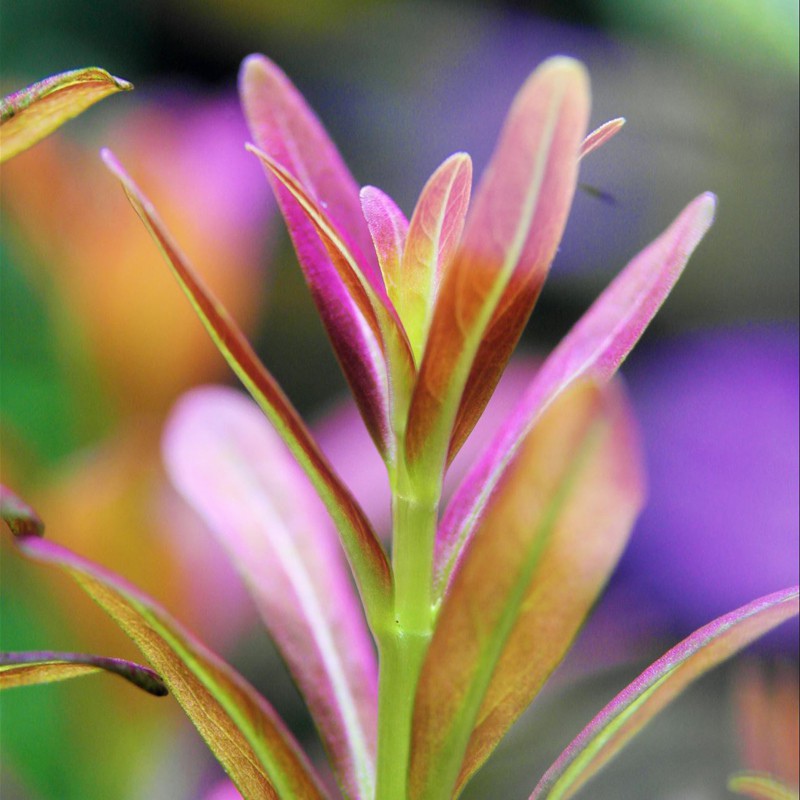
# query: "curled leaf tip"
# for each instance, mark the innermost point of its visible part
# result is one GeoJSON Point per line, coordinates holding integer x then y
{"type": "Point", "coordinates": [32, 113]}
{"type": "Point", "coordinates": [46, 666]}
{"type": "Point", "coordinates": [18, 515]}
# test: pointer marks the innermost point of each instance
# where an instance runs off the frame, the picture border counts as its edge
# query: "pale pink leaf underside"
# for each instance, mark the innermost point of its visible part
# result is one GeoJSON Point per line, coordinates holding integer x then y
{"type": "Point", "coordinates": [233, 469]}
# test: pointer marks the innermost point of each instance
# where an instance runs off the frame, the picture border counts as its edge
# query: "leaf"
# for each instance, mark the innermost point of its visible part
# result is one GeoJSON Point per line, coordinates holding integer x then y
{"type": "Point", "coordinates": [760, 787]}
{"type": "Point", "coordinates": [510, 238]}
{"type": "Point", "coordinates": [372, 302]}
{"type": "Point", "coordinates": [546, 546]}
{"type": "Point", "coordinates": [594, 348]}
{"type": "Point", "coordinates": [44, 666]}
{"type": "Point", "coordinates": [388, 228]}
{"type": "Point", "coordinates": [239, 726]}
{"type": "Point", "coordinates": [30, 114]}
{"type": "Point", "coordinates": [18, 515]}
{"type": "Point", "coordinates": [285, 127]}
{"type": "Point", "coordinates": [233, 469]}
{"type": "Point", "coordinates": [289, 133]}
{"type": "Point", "coordinates": [657, 686]}
{"type": "Point", "coordinates": [364, 551]}
{"type": "Point", "coordinates": [599, 136]}
{"type": "Point", "coordinates": [433, 236]}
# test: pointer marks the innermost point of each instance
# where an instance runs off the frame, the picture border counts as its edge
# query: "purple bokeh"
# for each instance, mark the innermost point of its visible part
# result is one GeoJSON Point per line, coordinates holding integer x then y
{"type": "Point", "coordinates": [719, 413]}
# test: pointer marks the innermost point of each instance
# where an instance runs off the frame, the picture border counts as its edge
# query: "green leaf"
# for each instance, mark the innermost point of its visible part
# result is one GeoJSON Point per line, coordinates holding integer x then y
{"type": "Point", "coordinates": [30, 114]}
{"type": "Point", "coordinates": [760, 787]}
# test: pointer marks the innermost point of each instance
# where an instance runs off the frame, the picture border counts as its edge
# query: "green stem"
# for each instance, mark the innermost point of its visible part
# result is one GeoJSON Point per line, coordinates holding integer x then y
{"type": "Point", "coordinates": [404, 644]}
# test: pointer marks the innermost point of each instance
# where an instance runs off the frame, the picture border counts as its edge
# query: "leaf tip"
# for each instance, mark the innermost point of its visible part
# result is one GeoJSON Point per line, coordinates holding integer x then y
{"type": "Point", "coordinates": [21, 519]}
{"type": "Point", "coordinates": [567, 69]}
{"type": "Point", "coordinates": [110, 160]}
{"type": "Point", "coordinates": [121, 84]}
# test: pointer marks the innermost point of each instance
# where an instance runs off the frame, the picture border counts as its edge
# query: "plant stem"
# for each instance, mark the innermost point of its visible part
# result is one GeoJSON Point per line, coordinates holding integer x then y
{"type": "Point", "coordinates": [403, 646]}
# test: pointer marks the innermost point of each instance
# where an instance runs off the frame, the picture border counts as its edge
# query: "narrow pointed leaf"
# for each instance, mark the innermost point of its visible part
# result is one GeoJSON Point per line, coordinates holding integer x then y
{"type": "Point", "coordinates": [433, 236]}
{"type": "Point", "coordinates": [29, 668]}
{"type": "Point", "coordinates": [231, 466]}
{"type": "Point", "coordinates": [657, 686]}
{"type": "Point", "coordinates": [239, 726]}
{"type": "Point", "coordinates": [364, 551]}
{"type": "Point", "coordinates": [560, 518]}
{"type": "Point", "coordinates": [388, 228]}
{"type": "Point", "coordinates": [760, 787]}
{"type": "Point", "coordinates": [594, 348]}
{"type": "Point", "coordinates": [599, 136]}
{"type": "Point", "coordinates": [289, 133]}
{"type": "Point", "coordinates": [30, 114]}
{"type": "Point", "coordinates": [285, 127]}
{"type": "Point", "coordinates": [373, 303]}
{"type": "Point", "coordinates": [510, 238]}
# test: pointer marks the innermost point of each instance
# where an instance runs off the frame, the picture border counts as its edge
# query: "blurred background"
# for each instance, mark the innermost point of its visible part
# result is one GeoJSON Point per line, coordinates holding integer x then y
{"type": "Point", "coordinates": [96, 342]}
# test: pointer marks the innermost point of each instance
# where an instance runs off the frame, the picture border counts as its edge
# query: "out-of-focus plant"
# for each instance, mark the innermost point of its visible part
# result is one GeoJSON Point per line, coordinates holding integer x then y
{"type": "Point", "coordinates": [474, 612]}
{"type": "Point", "coordinates": [82, 440]}
{"type": "Point", "coordinates": [768, 733]}
{"type": "Point", "coordinates": [26, 117]}
{"type": "Point", "coordinates": [129, 344]}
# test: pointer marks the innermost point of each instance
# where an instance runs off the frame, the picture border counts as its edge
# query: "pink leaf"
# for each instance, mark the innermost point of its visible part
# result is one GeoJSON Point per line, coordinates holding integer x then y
{"type": "Point", "coordinates": [388, 227]}
{"type": "Point", "coordinates": [510, 238]}
{"type": "Point", "coordinates": [594, 348]}
{"type": "Point", "coordinates": [232, 468]}
{"type": "Point", "coordinates": [599, 136]}
{"type": "Point", "coordinates": [289, 133]}
{"type": "Point", "coordinates": [657, 686]}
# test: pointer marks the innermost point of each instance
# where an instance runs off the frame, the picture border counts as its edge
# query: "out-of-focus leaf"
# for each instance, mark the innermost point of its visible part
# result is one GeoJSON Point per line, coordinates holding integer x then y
{"type": "Point", "coordinates": [364, 551]}
{"type": "Point", "coordinates": [26, 669]}
{"type": "Point", "coordinates": [288, 131]}
{"type": "Point", "coordinates": [594, 348]}
{"type": "Point", "coordinates": [433, 236]}
{"type": "Point", "coordinates": [30, 114]}
{"type": "Point", "coordinates": [660, 683]}
{"type": "Point", "coordinates": [550, 538]}
{"type": "Point", "coordinates": [760, 787]}
{"type": "Point", "coordinates": [510, 238]}
{"type": "Point", "coordinates": [599, 136]}
{"type": "Point", "coordinates": [239, 726]}
{"type": "Point", "coordinates": [767, 724]}
{"type": "Point", "coordinates": [231, 466]}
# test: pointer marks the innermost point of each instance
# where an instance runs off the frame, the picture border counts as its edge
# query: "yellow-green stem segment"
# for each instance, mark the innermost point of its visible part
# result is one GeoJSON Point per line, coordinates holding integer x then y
{"type": "Point", "coordinates": [402, 647]}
